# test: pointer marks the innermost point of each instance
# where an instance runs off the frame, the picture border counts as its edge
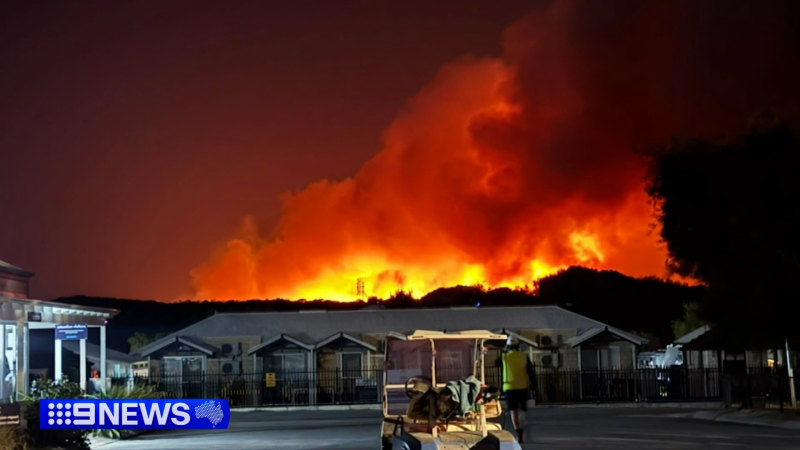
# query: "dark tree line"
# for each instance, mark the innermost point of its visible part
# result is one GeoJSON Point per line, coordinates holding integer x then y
{"type": "Point", "coordinates": [730, 214]}
{"type": "Point", "coordinates": [610, 297]}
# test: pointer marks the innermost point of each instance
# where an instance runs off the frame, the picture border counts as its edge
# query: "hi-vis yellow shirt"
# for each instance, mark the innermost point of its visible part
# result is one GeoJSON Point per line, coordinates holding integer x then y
{"type": "Point", "coordinates": [515, 374]}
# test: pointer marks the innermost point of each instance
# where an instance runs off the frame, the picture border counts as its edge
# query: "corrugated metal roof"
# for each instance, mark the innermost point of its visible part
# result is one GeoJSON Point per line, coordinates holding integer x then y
{"type": "Point", "coordinates": [313, 328]}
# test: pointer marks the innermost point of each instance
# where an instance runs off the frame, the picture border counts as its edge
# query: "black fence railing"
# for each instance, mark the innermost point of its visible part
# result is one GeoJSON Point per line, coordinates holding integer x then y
{"type": "Point", "coordinates": [554, 385]}
{"type": "Point", "coordinates": [327, 387]}
{"type": "Point", "coordinates": [270, 389]}
{"type": "Point", "coordinates": [758, 387]}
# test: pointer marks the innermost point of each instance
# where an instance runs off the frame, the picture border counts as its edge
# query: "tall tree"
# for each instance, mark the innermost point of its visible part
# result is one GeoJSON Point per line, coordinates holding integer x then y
{"type": "Point", "coordinates": [730, 216]}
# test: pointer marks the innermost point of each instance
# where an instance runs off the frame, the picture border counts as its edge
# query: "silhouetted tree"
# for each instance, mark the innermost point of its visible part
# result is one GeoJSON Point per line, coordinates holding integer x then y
{"type": "Point", "coordinates": [691, 320]}
{"type": "Point", "coordinates": [645, 304]}
{"type": "Point", "coordinates": [139, 340]}
{"type": "Point", "coordinates": [730, 215]}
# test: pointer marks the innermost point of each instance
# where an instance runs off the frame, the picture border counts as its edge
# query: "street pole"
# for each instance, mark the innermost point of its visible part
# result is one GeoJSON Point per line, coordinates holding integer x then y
{"type": "Point", "coordinates": [791, 375]}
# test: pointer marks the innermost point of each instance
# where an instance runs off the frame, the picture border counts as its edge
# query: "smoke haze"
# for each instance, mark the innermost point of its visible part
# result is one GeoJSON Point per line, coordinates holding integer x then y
{"type": "Point", "coordinates": [503, 170]}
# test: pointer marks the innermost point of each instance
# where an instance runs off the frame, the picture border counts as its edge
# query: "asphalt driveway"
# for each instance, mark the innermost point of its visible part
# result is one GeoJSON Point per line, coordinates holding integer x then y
{"type": "Point", "coordinates": [548, 427]}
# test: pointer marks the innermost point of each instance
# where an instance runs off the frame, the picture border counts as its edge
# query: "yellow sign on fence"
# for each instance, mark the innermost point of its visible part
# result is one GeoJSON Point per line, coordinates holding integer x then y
{"type": "Point", "coordinates": [269, 379]}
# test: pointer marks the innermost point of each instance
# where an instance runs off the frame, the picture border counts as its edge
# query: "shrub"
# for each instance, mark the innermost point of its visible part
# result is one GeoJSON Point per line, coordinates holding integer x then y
{"type": "Point", "coordinates": [45, 389]}
{"type": "Point", "coordinates": [11, 439]}
{"type": "Point", "coordinates": [119, 392]}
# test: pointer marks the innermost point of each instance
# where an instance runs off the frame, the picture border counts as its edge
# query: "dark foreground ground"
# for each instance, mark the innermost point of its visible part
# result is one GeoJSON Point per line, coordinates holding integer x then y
{"type": "Point", "coordinates": [548, 427]}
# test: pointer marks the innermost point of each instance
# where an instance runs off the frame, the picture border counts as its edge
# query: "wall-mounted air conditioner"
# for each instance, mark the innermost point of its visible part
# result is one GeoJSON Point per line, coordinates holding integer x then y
{"type": "Point", "coordinates": [548, 341]}
{"type": "Point", "coordinates": [230, 367]}
{"type": "Point", "coordinates": [549, 360]}
{"type": "Point", "coordinates": [231, 349]}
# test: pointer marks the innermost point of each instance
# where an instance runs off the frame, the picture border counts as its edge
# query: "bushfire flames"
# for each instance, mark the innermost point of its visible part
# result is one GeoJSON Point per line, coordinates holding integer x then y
{"type": "Point", "coordinates": [498, 172]}
{"type": "Point", "coordinates": [450, 200]}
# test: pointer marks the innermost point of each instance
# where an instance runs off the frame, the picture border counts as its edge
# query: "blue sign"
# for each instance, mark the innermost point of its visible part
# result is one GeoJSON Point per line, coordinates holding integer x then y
{"type": "Point", "coordinates": [72, 332]}
{"type": "Point", "coordinates": [134, 414]}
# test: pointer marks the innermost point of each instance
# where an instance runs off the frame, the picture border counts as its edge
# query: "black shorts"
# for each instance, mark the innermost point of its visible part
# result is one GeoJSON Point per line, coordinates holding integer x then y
{"type": "Point", "coordinates": [517, 399]}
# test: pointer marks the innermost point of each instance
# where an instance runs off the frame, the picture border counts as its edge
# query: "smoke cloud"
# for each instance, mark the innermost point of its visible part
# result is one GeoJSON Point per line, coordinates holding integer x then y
{"type": "Point", "coordinates": [500, 171]}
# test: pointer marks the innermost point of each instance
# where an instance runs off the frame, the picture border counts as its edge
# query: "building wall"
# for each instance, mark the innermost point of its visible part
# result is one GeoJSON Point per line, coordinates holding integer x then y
{"type": "Point", "coordinates": [552, 342]}
{"type": "Point", "coordinates": [563, 354]}
{"type": "Point", "coordinates": [13, 285]}
{"type": "Point", "coordinates": [242, 343]}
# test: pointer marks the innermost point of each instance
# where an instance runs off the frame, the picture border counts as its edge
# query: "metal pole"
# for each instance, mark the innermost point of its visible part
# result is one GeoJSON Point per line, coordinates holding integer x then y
{"type": "Point", "coordinates": [103, 370]}
{"type": "Point", "coordinates": [311, 382]}
{"type": "Point", "coordinates": [22, 357]}
{"type": "Point", "coordinates": [83, 364]}
{"type": "Point", "coordinates": [257, 381]}
{"type": "Point", "coordinates": [791, 375]}
{"type": "Point", "coordinates": [26, 363]}
{"type": "Point", "coordinates": [2, 362]}
{"type": "Point", "coordinates": [57, 353]}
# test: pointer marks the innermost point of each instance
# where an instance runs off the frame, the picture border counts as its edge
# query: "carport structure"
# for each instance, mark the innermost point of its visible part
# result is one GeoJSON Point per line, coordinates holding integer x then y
{"type": "Point", "coordinates": [20, 315]}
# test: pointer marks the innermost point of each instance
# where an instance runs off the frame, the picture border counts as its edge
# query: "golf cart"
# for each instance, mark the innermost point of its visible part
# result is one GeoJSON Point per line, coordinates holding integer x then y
{"type": "Point", "coordinates": [434, 395]}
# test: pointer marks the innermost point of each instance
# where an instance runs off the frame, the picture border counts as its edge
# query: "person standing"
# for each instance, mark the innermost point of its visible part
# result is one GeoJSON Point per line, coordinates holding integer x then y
{"type": "Point", "coordinates": [518, 377]}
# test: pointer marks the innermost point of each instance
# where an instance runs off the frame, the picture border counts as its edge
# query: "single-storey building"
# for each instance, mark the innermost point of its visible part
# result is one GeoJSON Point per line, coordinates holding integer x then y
{"type": "Point", "coordinates": [20, 314]}
{"type": "Point", "coordinates": [745, 375]}
{"type": "Point", "coordinates": [339, 345]}
{"type": "Point", "coordinates": [703, 348]}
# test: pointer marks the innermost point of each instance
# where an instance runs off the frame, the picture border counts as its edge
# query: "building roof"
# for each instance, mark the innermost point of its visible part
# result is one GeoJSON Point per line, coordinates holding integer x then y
{"type": "Point", "coordinates": [93, 353]}
{"type": "Point", "coordinates": [14, 270]}
{"type": "Point", "coordinates": [692, 335]}
{"type": "Point", "coordinates": [344, 337]}
{"type": "Point", "coordinates": [591, 333]}
{"type": "Point", "coordinates": [279, 340]}
{"type": "Point", "coordinates": [311, 327]}
{"type": "Point", "coordinates": [190, 341]}
{"type": "Point", "coordinates": [53, 312]}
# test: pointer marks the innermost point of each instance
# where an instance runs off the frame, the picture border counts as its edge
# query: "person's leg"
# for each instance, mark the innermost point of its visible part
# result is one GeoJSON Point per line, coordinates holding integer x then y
{"type": "Point", "coordinates": [522, 413]}
{"type": "Point", "coordinates": [515, 403]}
{"type": "Point", "coordinates": [521, 423]}
{"type": "Point", "coordinates": [515, 419]}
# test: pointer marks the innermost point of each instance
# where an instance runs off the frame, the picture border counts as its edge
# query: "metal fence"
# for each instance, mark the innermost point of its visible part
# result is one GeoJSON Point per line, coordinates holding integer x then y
{"type": "Point", "coordinates": [553, 385]}
{"type": "Point", "coordinates": [262, 389]}
{"type": "Point", "coordinates": [758, 387]}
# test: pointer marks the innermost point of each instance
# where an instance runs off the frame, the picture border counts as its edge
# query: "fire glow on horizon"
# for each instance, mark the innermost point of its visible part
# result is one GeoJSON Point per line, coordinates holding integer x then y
{"type": "Point", "coordinates": [498, 172]}
{"type": "Point", "coordinates": [440, 205]}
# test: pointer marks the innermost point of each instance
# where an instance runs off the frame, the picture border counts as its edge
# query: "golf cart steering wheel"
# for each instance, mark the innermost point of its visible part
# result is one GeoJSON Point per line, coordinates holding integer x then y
{"type": "Point", "coordinates": [412, 384]}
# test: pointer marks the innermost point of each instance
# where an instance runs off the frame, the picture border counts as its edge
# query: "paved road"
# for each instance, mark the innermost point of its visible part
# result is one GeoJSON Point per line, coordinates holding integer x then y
{"type": "Point", "coordinates": [550, 428]}
{"type": "Point", "coordinates": [650, 428]}
{"type": "Point", "coordinates": [289, 430]}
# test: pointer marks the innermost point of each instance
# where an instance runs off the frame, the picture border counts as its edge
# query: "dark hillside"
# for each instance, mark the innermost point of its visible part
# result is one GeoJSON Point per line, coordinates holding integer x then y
{"type": "Point", "coordinates": [647, 305]}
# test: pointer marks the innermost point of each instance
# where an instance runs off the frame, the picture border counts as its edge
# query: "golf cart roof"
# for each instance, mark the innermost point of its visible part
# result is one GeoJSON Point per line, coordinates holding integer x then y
{"type": "Point", "coordinates": [465, 334]}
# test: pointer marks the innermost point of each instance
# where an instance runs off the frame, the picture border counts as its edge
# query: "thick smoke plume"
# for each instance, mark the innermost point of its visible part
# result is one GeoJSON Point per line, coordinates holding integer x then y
{"type": "Point", "coordinates": [503, 170]}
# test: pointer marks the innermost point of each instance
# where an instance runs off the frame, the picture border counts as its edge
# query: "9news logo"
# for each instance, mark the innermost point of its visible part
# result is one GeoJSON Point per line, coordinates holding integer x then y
{"type": "Point", "coordinates": [121, 414]}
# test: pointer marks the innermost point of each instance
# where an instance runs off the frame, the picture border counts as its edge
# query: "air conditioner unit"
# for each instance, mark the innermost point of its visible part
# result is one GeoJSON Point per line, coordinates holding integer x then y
{"type": "Point", "coordinates": [549, 360]}
{"type": "Point", "coordinates": [548, 341]}
{"type": "Point", "coordinates": [231, 349]}
{"type": "Point", "coordinates": [230, 367]}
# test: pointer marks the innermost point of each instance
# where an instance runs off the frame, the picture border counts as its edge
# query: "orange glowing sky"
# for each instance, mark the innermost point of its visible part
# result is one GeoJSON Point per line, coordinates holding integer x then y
{"type": "Point", "coordinates": [199, 150]}
{"type": "Point", "coordinates": [447, 201]}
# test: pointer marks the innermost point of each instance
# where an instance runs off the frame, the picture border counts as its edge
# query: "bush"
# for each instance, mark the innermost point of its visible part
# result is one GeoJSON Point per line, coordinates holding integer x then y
{"type": "Point", "coordinates": [121, 392]}
{"type": "Point", "coordinates": [46, 389]}
{"type": "Point", "coordinates": [11, 439]}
